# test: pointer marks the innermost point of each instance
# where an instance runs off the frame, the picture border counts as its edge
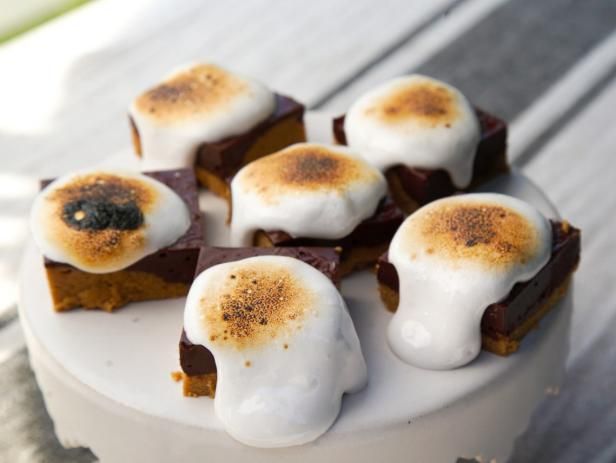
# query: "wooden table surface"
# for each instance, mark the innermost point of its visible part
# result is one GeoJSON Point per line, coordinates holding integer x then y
{"type": "Point", "coordinates": [548, 67]}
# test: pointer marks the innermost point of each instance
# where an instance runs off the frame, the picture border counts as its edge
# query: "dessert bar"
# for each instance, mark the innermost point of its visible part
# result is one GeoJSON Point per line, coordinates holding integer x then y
{"type": "Point", "coordinates": [164, 273]}
{"type": "Point", "coordinates": [505, 323]}
{"type": "Point", "coordinates": [413, 185]}
{"type": "Point", "coordinates": [198, 366]}
{"type": "Point", "coordinates": [284, 345]}
{"type": "Point", "coordinates": [315, 195]}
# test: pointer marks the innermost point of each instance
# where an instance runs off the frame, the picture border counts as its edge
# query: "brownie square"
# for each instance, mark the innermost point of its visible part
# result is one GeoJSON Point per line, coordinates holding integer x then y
{"type": "Point", "coordinates": [167, 273]}
{"type": "Point", "coordinates": [197, 362]}
{"type": "Point", "coordinates": [413, 187]}
{"type": "Point", "coordinates": [505, 323]}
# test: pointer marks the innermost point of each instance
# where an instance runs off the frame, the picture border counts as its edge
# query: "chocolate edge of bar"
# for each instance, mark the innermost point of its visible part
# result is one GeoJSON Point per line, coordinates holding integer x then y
{"type": "Point", "coordinates": [387, 215]}
{"type": "Point", "coordinates": [498, 318]}
{"type": "Point", "coordinates": [223, 158]}
{"type": "Point", "coordinates": [181, 257]}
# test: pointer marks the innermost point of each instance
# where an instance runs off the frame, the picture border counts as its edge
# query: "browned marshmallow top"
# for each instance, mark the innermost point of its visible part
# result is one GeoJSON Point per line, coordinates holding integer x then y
{"type": "Point", "coordinates": [492, 235]}
{"type": "Point", "coordinates": [423, 101]}
{"type": "Point", "coordinates": [98, 218]}
{"type": "Point", "coordinates": [306, 167]}
{"type": "Point", "coordinates": [255, 304]}
{"type": "Point", "coordinates": [198, 91]}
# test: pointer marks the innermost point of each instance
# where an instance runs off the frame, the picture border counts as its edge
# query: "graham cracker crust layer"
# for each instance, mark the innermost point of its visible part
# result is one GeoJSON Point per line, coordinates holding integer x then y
{"type": "Point", "coordinates": [71, 288]}
{"type": "Point", "coordinates": [361, 257]}
{"type": "Point", "coordinates": [199, 385]}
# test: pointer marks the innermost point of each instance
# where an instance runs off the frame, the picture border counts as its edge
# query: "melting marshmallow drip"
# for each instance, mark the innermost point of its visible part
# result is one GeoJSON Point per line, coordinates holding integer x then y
{"type": "Point", "coordinates": [106, 247]}
{"type": "Point", "coordinates": [415, 121]}
{"type": "Point", "coordinates": [285, 348]}
{"type": "Point", "coordinates": [197, 104]}
{"type": "Point", "coordinates": [454, 257]}
{"type": "Point", "coordinates": [306, 190]}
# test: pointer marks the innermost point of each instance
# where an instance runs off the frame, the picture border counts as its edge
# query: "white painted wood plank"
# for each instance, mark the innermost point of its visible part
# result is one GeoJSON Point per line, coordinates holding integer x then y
{"type": "Point", "coordinates": [577, 169]}
{"type": "Point", "coordinates": [418, 50]}
{"type": "Point", "coordinates": [529, 125]}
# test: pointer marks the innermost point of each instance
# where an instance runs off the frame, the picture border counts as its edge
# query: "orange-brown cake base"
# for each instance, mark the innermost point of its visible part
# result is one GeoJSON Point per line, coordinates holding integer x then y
{"type": "Point", "coordinates": [360, 258]}
{"type": "Point", "coordinates": [71, 288]}
{"type": "Point", "coordinates": [199, 385]}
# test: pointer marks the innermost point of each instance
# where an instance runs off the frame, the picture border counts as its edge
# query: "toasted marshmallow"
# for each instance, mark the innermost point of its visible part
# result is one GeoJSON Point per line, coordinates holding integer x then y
{"type": "Point", "coordinates": [198, 104]}
{"type": "Point", "coordinates": [307, 190]}
{"type": "Point", "coordinates": [284, 344]}
{"type": "Point", "coordinates": [415, 121]}
{"type": "Point", "coordinates": [455, 257]}
{"type": "Point", "coordinates": [101, 221]}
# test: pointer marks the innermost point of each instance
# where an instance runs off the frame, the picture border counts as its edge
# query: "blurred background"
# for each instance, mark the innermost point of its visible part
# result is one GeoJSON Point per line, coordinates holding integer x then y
{"type": "Point", "coordinates": [21, 16]}
{"type": "Point", "coordinates": [70, 68]}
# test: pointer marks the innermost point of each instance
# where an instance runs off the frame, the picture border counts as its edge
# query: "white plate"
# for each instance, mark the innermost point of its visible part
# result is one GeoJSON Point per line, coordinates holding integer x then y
{"type": "Point", "coordinates": [106, 377]}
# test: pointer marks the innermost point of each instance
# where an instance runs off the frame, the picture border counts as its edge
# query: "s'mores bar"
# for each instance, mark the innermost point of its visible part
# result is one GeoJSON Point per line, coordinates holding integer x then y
{"type": "Point", "coordinates": [111, 237]}
{"type": "Point", "coordinates": [426, 137]}
{"type": "Point", "coordinates": [284, 346]}
{"type": "Point", "coordinates": [215, 120]}
{"type": "Point", "coordinates": [312, 194]}
{"type": "Point", "coordinates": [472, 271]}
{"type": "Point", "coordinates": [198, 366]}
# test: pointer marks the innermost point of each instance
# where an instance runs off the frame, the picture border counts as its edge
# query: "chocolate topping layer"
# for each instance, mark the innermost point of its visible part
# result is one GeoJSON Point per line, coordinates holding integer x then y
{"type": "Point", "coordinates": [225, 157]}
{"type": "Point", "coordinates": [324, 259]}
{"type": "Point", "coordinates": [375, 230]}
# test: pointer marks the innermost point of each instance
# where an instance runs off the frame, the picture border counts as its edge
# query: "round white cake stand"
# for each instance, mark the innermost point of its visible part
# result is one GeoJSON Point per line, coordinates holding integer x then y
{"type": "Point", "coordinates": [106, 378]}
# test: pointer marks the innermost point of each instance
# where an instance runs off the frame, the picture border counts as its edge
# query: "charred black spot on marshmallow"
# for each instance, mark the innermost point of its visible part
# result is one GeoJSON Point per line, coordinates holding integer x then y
{"type": "Point", "coordinates": [84, 214]}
